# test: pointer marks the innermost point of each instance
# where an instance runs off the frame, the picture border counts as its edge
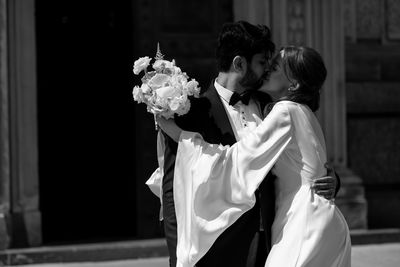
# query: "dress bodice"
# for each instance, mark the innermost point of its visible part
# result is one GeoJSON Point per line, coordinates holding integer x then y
{"type": "Point", "coordinates": [304, 157]}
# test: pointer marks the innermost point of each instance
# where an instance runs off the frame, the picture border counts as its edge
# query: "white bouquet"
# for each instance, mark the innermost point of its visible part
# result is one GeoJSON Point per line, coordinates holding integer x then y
{"type": "Point", "coordinates": [166, 88]}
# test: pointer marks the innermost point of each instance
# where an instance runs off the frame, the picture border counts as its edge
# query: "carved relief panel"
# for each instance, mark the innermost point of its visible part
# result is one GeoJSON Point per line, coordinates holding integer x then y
{"type": "Point", "coordinates": [377, 20]}
{"type": "Point", "coordinates": [392, 9]}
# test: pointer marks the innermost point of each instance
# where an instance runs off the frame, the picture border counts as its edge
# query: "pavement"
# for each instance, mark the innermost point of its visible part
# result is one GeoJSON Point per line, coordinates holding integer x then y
{"type": "Point", "coordinates": [373, 255]}
{"type": "Point", "coordinates": [149, 262]}
{"type": "Point", "coordinates": [378, 255]}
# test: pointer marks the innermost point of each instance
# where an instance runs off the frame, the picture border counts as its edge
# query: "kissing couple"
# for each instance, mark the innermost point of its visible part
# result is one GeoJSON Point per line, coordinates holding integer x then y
{"type": "Point", "coordinates": [245, 176]}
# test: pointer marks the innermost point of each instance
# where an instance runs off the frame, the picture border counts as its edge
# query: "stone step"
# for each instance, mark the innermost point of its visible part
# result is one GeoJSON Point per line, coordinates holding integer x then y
{"type": "Point", "coordinates": [152, 248]}
{"type": "Point", "coordinates": [85, 252]}
{"type": "Point", "coordinates": [375, 236]}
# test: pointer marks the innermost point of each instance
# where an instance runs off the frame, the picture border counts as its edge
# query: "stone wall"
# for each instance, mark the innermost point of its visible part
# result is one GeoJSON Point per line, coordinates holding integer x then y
{"type": "Point", "coordinates": [373, 104]}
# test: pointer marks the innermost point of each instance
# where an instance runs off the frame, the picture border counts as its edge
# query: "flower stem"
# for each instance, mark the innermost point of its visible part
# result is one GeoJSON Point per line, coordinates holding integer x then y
{"type": "Point", "coordinates": [155, 122]}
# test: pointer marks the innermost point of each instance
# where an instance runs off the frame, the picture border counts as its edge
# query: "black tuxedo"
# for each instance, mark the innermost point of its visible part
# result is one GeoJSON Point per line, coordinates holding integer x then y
{"type": "Point", "coordinates": [242, 244]}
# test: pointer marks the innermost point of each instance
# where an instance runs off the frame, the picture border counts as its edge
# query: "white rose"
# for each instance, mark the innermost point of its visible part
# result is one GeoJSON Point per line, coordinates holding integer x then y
{"type": "Point", "coordinates": [141, 64]}
{"type": "Point", "coordinates": [166, 91]}
{"type": "Point", "coordinates": [177, 70]}
{"type": "Point", "coordinates": [145, 88]}
{"type": "Point", "coordinates": [137, 94]}
{"type": "Point", "coordinates": [174, 104]}
{"type": "Point", "coordinates": [159, 80]}
{"type": "Point", "coordinates": [184, 108]}
{"type": "Point", "coordinates": [193, 88]}
{"type": "Point", "coordinates": [161, 63]}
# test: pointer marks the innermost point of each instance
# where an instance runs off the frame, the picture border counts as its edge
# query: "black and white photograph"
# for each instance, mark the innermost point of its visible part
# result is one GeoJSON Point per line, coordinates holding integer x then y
{"type": "Point", "coordinates": [213, 133]}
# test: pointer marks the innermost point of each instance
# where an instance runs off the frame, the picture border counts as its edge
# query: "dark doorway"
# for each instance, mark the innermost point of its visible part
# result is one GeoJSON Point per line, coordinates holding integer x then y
{"type": "Point", "coordinates": [86, 120]}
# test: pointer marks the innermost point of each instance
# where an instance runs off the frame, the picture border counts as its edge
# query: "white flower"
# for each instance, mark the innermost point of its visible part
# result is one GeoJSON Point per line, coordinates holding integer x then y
{"type": "Point", "coordinates": [193, 88]}
{"type": "Point", "coordinates": [167, 91]}
{"type": "Point", "coordinates": [159, 80]}
{"type": "Point", "coordinates": [178, 70]}
{"type": "Point", "coordinates": [161, 64]}
{"type": "Point", "coordinates": [141, 64]}
{"type": "Point", "coordinates": [174, 104]}
{"type": "Point", "coordinates": [137, 94]}
{"type": "Point", "coordinates": [145, 88]}
{"type": "Point", "coordinates": [184, 108]}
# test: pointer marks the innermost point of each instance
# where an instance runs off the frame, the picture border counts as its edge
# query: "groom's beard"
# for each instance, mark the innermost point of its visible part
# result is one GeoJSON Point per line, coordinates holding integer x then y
{"type": "Point", "coordinates": [250, 81]}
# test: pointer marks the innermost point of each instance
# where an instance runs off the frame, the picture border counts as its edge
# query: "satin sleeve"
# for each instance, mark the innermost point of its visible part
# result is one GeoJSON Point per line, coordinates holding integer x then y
{"type": "Point", "coordinates": [214, 184]}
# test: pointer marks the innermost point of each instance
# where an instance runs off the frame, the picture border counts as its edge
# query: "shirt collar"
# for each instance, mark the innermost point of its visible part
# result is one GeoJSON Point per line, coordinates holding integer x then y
{"type": "Point", "coordinates": [224, 93]}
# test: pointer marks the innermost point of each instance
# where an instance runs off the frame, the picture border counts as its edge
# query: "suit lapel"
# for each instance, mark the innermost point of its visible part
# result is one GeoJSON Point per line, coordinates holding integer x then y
{"type": "Point", "coordinates": [218, 113]}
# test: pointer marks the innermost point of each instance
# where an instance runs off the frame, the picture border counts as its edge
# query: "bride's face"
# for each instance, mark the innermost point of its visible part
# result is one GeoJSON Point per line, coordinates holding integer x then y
{"type": "Point", "coordinates": [276, 84]}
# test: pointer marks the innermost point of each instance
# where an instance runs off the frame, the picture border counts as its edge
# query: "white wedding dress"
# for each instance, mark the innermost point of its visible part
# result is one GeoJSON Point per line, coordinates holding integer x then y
{"type": "Point", "coordinates": [214, 185]}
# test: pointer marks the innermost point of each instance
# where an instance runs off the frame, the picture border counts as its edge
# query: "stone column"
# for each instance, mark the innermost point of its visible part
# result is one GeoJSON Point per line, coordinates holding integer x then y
{"type": "Point", "coordinates": [319, 24]}
{"type": "Point", "coordinates": [4, 131]}
{"type": "Point", "coordinates": [25, 214]}
{"type": "Point", "coordinates": [327, 27]}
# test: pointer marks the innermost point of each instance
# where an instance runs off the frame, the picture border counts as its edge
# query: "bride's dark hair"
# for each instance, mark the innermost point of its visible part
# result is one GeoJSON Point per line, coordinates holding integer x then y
{"type": "Point", "coordinates": [305, 66]}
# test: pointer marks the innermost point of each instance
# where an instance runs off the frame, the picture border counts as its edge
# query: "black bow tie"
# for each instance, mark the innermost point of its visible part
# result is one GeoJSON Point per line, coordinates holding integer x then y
{"type": "Point", "coordinates": [244, 97]}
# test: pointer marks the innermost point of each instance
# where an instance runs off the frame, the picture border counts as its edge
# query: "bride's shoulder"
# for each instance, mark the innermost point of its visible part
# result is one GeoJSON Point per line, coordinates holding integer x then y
{"type": "Point", "coordinates": [290, 106]}
{"type": "Point", "coordinates": [286, 105]}
{"type": "Point", "coordinates": [281, 111]}
{"type": "Point", "coordinates": [290, 109]}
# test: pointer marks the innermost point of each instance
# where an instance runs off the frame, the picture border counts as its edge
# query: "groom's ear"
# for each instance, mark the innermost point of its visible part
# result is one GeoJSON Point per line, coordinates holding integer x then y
{"type": "Point", "coordinates": [239, 64]}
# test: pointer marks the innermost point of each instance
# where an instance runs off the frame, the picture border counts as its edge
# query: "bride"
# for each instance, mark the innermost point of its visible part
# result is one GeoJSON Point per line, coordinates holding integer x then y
{"type": "Point", "coordinates": [215, 184]}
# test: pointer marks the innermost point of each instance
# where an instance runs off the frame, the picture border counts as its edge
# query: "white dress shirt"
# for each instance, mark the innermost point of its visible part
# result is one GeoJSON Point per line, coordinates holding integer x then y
{"type": "Point", "coordinates": [243, 118]}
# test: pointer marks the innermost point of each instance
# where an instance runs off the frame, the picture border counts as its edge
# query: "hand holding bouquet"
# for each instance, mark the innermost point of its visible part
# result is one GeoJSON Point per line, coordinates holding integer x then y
{"type": "Point", "coordinates": [165, 89]}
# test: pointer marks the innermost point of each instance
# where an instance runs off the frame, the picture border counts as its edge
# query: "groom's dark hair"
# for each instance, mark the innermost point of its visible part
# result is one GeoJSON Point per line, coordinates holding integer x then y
{"type": "Point", "coordinates": [242, 39]}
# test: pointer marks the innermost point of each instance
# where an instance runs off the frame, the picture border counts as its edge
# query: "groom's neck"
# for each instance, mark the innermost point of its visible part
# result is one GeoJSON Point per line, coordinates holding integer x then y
{"type": "Point", "coordinates": [229, 81]}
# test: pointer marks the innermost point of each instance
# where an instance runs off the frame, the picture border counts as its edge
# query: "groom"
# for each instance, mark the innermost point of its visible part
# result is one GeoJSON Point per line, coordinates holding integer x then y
{"type": "Point", "coordinates": [223, 114]}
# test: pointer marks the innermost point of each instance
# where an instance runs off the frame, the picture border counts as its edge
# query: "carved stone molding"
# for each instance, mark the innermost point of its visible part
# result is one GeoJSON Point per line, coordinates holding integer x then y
{"type": "Point", "coordinates": [349, 7]}
{"type": "Point", "coordinates": [376, 20]}
{"type": "Point", "coordinates": [25, 214]}
{"type": "Point", "coordinates": [4, 131]}
{"type": "Point", "coordinates": [296, 31]}
{"type": "Point", "coordinates": [369, 19]}
{"type": "Point", "coordinates": [393, 19]}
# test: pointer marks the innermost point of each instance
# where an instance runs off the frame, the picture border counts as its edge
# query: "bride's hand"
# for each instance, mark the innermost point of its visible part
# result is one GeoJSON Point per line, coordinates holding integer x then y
{"type": "Point", "coordinates": [169, 127]}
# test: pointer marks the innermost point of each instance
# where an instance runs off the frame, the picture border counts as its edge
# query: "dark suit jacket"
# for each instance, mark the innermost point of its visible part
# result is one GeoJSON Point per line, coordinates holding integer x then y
{"type": "Point", "coordinates": [240, 245]}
